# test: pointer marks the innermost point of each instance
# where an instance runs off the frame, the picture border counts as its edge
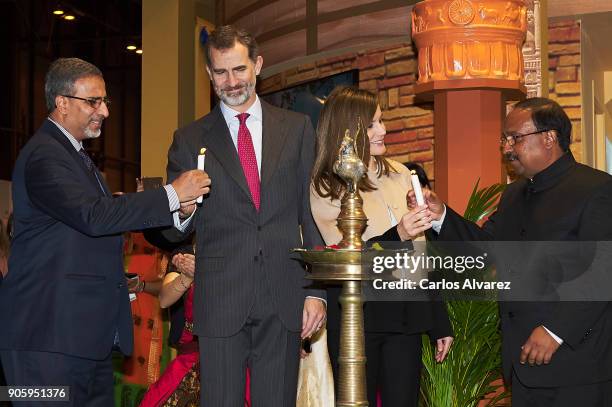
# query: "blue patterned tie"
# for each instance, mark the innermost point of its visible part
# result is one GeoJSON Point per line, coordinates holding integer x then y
{"type": "Point", "coordinates": [91, 167]}
{"type": "Point", "coordinates": [86, 159]}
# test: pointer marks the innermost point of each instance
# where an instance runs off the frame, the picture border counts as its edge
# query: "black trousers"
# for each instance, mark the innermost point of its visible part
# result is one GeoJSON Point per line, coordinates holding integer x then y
{"type": "Point", "coordinates": [90, 382]}
{"type": "Point", "coordinates": [589, 395]}
{"type": "Point", "coordinates": [393, 366]}
{"type": "Point", "coordinates": [264, 345]}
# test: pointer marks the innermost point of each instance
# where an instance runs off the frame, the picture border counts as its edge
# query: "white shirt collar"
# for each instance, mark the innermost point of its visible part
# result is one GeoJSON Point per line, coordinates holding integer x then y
{"type": "Point", "coordinates": [254, 111]}
{"type": "Point", "coordinates": [78, 145]}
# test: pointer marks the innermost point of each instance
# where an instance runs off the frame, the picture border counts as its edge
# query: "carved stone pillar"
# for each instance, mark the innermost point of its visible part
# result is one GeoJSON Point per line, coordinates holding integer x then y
{"type": "Point", "coordinates": [535, 49]}
{"type": "Point", "coordinates": [470, 61]}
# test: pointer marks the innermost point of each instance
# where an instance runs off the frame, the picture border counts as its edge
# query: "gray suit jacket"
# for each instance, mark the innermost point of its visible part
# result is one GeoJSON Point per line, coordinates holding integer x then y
{"type": "Point", "coordinates": [235, 244]}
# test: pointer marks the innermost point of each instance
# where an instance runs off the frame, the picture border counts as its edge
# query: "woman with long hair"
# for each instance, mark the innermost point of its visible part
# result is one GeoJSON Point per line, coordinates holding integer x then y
{"type": "Point", "coordinates": [392, 329]}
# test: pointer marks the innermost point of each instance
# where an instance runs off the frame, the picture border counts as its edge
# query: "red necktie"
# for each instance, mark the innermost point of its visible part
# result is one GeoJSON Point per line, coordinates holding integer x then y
{"type": "Point", "coordinates": [246, 153]}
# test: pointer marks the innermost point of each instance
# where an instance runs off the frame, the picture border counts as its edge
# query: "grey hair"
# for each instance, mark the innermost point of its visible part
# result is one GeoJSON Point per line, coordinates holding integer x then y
{"type": "Point", "coordinates": [62, 75]}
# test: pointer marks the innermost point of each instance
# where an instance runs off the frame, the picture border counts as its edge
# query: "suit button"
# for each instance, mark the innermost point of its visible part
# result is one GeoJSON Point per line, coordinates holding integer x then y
{"type": "Point", "coordinates": [510, 314]}
{"type": "Point", "coordinates": [119, 285]}
{"type": "Point", "coordinates": [255, 258]}
{"type": "Point", "coordinates": [259, 228]}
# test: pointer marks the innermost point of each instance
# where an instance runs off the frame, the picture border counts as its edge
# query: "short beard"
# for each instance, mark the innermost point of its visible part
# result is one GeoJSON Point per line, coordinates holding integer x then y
{"type": "Point", "coordinates": [240, 98]}
{"type": "Point", "coordinates": [89, 134]}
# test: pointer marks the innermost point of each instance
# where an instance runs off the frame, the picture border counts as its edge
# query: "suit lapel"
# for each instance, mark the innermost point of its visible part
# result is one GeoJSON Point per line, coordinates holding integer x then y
{"type": "Point", "coordinates": [273, 141]}
{"type": "Point", "coordinates": [218, 140]}
{"type": "Point", "coordinates": [63, 140]}
{"type": "Point", "coordinates": [103, 184]}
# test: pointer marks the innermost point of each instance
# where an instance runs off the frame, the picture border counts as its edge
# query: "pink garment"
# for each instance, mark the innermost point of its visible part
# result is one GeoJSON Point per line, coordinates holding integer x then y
{"type": "Point", "coordinates": [176, 370]}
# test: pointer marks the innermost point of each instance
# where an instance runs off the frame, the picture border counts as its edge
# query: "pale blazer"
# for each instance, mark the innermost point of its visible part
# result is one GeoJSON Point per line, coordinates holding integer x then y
{"type": "Point", "coordinates": [316, 383]}
{"type": "Point", "coordinates": [390, 195]}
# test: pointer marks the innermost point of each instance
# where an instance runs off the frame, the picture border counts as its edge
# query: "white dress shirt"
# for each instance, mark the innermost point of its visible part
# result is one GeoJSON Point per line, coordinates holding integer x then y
{"type": "Point", "coordinates": [254, 124]}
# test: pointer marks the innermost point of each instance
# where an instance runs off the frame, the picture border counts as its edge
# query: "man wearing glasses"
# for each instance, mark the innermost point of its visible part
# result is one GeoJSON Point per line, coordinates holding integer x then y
{"type": "Point", "coordinates": [64, 306]}
{"type": "Point", "coordinates": [555, 353]}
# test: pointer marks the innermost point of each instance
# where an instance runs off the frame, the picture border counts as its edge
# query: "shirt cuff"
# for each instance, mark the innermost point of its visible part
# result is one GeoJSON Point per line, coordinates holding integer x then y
{"type": "Point", "coordinates": [555, 337]}
{"type": "Point", "coordinates": [436, 225]}
{"type": "Point", "coordinates": [181, 224]}
{"type": "Point", "coordinates": [173, 199]}
{"type": "Point", "coordinates": [317, 298]}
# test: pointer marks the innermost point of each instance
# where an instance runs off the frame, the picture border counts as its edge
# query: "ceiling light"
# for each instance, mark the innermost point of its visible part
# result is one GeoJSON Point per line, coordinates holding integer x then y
{"type": "Point", "coordinates": [58, 11]}
{"type": "Point", "coordinates": [139, 51]}
{"type": "Point", "coordinates": [131, 47]}
{"type": "Point", "coordinates": [69, 17]}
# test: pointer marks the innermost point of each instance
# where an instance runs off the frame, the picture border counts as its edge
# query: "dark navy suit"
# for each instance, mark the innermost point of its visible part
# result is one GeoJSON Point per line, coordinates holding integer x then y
{"type": "Point", "coordinates": [65, 302]}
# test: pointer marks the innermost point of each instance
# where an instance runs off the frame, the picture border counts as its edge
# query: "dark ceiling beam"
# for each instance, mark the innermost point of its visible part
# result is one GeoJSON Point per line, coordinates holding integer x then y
{"type": "Point", "coordinates": [251, 8]}
{"type": "Point", "coordinates": [219, 12]}
{"type": "Point", "coordinates": [336, 15]}
{"type": "Point", "coordinates": [362, 9]}
{"type": "Point", "coordinates": [312, 33]}
{"type": "Point", "coordinates": [206, 10]}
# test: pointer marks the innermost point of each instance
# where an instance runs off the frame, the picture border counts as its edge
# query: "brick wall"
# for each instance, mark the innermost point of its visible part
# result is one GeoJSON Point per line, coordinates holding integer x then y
{"type": "Point", "coordinates": [391, 73]}
{"type": "Point", "coordinates": [564, 74]}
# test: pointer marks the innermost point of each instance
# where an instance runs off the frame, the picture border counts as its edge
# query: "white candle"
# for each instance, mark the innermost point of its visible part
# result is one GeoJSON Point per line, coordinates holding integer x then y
{"type": "Point", "coordinates": [416, 186]}
{"type": "Point", "coordinates": [201, 158]}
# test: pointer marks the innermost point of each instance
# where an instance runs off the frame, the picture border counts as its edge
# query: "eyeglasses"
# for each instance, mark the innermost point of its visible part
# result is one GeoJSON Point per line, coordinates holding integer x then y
{"type": "Point", "coordinates": [511, 140]}
{"type": "Point", "coordinates": [94, 102]}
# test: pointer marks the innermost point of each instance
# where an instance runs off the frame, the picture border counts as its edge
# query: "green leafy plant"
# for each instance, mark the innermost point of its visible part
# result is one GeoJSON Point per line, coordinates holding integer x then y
{"type": "Point", "coordinates": [483, 201]}
{"type": "Point", "coordinates": [473, 366]}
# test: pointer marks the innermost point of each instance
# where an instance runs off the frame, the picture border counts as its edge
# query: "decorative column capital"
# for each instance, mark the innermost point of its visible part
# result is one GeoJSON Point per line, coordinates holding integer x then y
{"type": "Point", "coordinates": [469, 41]}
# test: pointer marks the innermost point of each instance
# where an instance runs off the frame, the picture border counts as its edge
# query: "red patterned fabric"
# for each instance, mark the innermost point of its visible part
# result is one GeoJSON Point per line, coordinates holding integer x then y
{"type": "Point", "coordinates": [161, 390]}
{"type": "Point", "coordinates": [246, 153]}
{"type": "Point", "coordinates": [186, 360]}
